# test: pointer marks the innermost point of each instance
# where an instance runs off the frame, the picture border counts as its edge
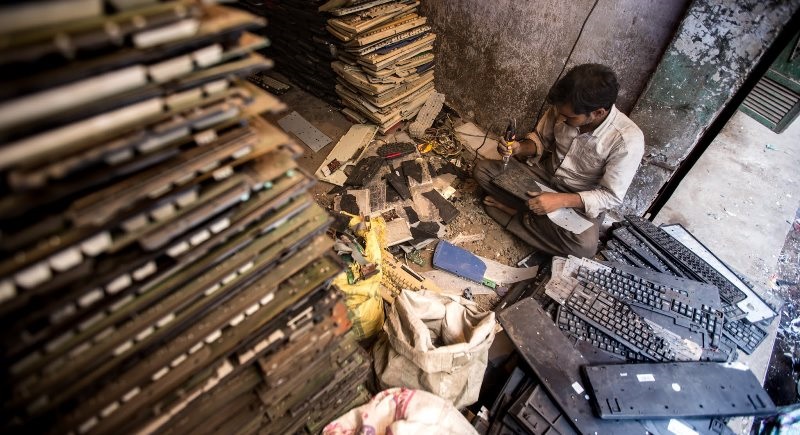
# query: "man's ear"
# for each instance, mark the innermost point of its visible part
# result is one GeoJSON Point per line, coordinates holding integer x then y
{"type": "Point", "coordinates": [600, 113]}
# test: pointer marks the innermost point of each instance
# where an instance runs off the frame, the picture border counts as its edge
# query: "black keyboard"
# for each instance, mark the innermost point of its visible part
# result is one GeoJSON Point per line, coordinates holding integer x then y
{"type": "Point", "coordinates": [615, 247]}
{"type": "Point", "coordinates": [638, 291]}
{"type": "Point", "coordinates": [615, 257]}
{"type": "Point", "coordinates": [733, 312]}
{"type": "Point", "coordinates": [745, 334]}
{"type": "Point", "coordinates": [615, 318]}
{"type": "Point", "coordinates": [578, 330]}
{"type": "Point", "coordinates": [686, 258]}
{"type": "Point", "coordinates": [393, 150]}
{"type": "Point", "coordinates": [624, 236]}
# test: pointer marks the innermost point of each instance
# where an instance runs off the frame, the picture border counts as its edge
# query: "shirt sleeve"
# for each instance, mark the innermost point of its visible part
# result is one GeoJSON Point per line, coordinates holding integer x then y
{"type": "Point", "coordinates": [544, 129]}
{"type": "Point", "coordinates": [545, 132]}
{"type": "Point", "coordinates": [620, 168]}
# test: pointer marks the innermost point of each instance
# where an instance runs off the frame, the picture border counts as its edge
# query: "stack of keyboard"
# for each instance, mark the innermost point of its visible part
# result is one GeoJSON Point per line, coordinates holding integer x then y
{"type": "Point", "coordinates": [637, 242]}
{"type": "Point", "coordinates": [639, 315]}
{"type": "Point", "coordinates": [164, 268]}
{"type": "Point", "coordinates": [385, 60]}
{"type": "Point", "coordinates": [303, 50]}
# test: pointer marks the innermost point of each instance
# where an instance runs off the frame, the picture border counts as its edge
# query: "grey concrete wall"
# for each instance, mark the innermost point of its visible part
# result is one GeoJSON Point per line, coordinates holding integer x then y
{"type": "Point", "coordinates": [497, 59]}
{"type": "Point", "coordinates": [714, 50]}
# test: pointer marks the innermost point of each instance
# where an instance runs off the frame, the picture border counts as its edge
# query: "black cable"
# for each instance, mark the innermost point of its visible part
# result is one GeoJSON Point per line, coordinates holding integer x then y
{"type": "Point", "coordinates": [569, 56]}
{"type": "Point", "coordinates": [472, 163]}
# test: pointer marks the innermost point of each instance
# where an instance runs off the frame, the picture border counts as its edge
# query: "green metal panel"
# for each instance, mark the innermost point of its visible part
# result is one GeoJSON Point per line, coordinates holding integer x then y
{"type": "Point", "coordinates": [775, 100]}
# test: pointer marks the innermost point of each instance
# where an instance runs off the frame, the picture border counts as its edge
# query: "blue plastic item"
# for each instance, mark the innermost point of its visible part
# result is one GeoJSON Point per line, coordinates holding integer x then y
{"type": "Point", "coordinates": [460, 262]}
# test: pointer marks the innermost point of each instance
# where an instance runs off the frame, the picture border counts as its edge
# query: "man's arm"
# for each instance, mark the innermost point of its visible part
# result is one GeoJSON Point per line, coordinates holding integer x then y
{"type": "Point", "coordinates": [546, 202]}
{"type": "Point", "coordinates": [535, 142]}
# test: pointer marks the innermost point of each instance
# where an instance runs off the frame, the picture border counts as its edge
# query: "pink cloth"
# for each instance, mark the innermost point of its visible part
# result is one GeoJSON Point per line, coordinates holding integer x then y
{"type": "Point", "coordinates": [400, 411]}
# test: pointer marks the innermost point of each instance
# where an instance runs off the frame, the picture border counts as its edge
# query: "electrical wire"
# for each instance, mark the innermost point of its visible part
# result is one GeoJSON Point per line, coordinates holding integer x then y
{"type": "Point", "coordinates": [569, 56]}
{"type": "Point", "coordinates": [474, 159]}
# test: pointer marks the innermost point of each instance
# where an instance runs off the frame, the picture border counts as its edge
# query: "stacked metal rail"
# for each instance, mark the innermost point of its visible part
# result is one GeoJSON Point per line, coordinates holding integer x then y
{"type": "Point", "coordinates": [161, 256]}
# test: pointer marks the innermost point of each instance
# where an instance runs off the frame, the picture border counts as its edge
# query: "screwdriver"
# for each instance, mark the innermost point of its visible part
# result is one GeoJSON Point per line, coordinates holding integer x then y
{"type": "Point", "coordinates": [509, 136]}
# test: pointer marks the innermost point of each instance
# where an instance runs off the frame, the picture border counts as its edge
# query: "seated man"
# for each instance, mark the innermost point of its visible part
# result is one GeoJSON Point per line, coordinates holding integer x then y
{"type": "Point", "coordinates": [591, 152]}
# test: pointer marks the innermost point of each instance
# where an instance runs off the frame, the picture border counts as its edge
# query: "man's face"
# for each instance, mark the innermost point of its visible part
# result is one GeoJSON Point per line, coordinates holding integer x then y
{"type": "Point", "coordinates": [568, 116]}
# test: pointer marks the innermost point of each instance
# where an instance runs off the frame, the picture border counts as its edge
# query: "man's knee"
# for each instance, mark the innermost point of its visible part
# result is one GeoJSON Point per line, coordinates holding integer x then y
{"type": "Point", "coordinates": [585, 251]}
{"type": "Point", "coordinates": [586, 246]}
{"type": "Point", "coordinates": [485, 171]}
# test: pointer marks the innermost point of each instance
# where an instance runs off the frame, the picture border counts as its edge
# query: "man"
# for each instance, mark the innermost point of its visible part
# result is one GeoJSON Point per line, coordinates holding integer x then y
{"type": "Point", "coordinates": [591, 152]}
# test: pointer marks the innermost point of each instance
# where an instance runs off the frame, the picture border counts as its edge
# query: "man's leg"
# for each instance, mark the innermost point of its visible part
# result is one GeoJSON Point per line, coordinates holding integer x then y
{"type": "Point", "coordinates": [487, 170]}
{"type": "Point", "coordinates": [538, 231]}
{"type": "Point", "coordinates": [541, 233]}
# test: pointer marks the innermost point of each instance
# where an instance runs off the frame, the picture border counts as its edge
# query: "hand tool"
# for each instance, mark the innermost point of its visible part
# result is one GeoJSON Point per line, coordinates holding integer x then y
{"type": "Point", "coordinates": [509, 136]}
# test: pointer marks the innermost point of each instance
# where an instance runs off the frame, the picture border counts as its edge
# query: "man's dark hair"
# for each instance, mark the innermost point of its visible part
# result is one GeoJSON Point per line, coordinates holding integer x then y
{"type": "Point", "coordinates": [586, 88]}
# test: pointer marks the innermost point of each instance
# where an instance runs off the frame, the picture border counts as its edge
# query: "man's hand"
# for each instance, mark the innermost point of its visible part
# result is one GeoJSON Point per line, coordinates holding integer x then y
{"type": "Point", "coordinates": [530, 146]}
{"type": "Point", "coordinates": [546, 202]}
{"type": "Point", "coordinates": [507, 150]}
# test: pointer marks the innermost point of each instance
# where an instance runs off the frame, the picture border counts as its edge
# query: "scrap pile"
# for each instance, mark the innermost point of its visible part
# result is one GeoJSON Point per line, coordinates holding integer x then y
{"type": "Point", "coordinates": [408, 188]}
{"type": "Point", "coordinates": [385, 60]}
{"type": "Point", "coordinates": [617, 327]}
{"type": "Point", "coordinates": [302, 48]}
{"type": "Point", "coordinates": [164, 268]}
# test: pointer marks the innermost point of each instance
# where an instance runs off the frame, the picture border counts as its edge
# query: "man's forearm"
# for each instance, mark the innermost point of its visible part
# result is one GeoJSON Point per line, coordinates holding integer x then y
{"type": "Point", "coordinates": [527, 148]}
{"type": "Point", "coordinates": [546, 202]}
{"type": "Point", "coordinates": [571, 200]}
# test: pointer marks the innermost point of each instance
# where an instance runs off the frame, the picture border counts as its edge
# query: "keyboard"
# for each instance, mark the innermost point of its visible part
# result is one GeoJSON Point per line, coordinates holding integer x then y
{"type": "Point", "coordinates": [638, 291]}
{"type": "Point", "coordinates": [627, 238]}
{"type": "Point", "coordinates": [616, 257]}
{"type": "Point", "coordinates": [686, 258]}
{"type": "Point", "coordinates": [746, 335]}
{"type": "Point", "coordinates": [615, 318]}
{"type": "Point", "coordinates": [733, 312]}
{"type": "Point", "coordinates": [578, 330]}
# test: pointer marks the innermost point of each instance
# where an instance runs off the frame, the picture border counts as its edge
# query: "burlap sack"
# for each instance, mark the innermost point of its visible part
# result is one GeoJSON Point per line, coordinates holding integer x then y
{"type": "Point", "coordinates": [437, 343]}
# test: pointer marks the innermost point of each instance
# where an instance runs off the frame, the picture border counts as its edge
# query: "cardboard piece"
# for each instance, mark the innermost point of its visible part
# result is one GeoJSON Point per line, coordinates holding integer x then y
{"type": "Point", "coordinates": [310, 135]}
{"type": "Point", "coordinates": [472, 136]}
{"type": "Point", "coordinates": [357, 138]}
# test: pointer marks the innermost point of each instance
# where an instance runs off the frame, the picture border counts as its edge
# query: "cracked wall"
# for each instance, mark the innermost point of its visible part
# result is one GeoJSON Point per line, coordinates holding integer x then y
{"type": "Point", "coordinates": [715, 48]}
{"type": "Point", "coordinates": [497, 59]}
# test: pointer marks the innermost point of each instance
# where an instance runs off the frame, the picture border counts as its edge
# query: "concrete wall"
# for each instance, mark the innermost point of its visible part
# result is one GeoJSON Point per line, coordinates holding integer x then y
{"type": "Point", "coordinates": [497, 59]}
{"type": "Point", "coordinates": [714, 50]}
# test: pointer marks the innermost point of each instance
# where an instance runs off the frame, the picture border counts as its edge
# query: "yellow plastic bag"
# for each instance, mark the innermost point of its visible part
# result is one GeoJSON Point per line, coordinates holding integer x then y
{"type": "Point", "coordinates": [363, 299]}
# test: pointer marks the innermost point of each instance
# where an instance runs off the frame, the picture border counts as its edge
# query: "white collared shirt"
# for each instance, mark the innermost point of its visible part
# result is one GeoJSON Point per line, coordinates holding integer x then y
{"type": "Point", "coordinates": [599, 165]}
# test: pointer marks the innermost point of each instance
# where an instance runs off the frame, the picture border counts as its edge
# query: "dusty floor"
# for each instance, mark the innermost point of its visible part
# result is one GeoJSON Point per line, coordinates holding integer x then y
{"type": "Point", "coordinates": [741, 196]}
{"type": "Point", "coordinates": [498, 244]}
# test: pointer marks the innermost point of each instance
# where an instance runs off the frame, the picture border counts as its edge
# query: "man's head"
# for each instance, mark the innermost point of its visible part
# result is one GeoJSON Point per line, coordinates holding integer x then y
{"type": "Point", "coordinates": [585, 94]}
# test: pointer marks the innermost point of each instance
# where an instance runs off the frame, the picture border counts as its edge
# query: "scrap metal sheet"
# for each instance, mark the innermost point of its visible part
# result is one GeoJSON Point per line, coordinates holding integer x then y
{"type": "Point", "coordinates": [310, 135]}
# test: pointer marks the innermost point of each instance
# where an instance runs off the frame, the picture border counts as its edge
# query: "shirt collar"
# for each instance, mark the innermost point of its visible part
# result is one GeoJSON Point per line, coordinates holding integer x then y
{"type": "Point", "coordinates": [606, 124]}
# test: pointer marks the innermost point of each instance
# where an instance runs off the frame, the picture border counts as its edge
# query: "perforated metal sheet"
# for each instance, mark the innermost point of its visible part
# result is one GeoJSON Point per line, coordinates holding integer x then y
{"type": "Point", "coordinates": [310, 135]}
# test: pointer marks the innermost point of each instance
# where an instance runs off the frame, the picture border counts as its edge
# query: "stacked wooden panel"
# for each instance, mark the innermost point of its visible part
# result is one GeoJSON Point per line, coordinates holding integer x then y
{"type": "Point", "coordinates": [385, 60]}
{"type": "Point", "coordinates": [164, 267]}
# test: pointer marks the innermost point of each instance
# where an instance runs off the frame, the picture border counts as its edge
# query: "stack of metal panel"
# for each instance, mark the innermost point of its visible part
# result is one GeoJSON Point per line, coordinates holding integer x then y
{"type": "Point", "coordinates": [302, 48]}
{"type": "Point", "coordinates": [385, 60]}
{"type": "Point", "coordinates": [163, 264]}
